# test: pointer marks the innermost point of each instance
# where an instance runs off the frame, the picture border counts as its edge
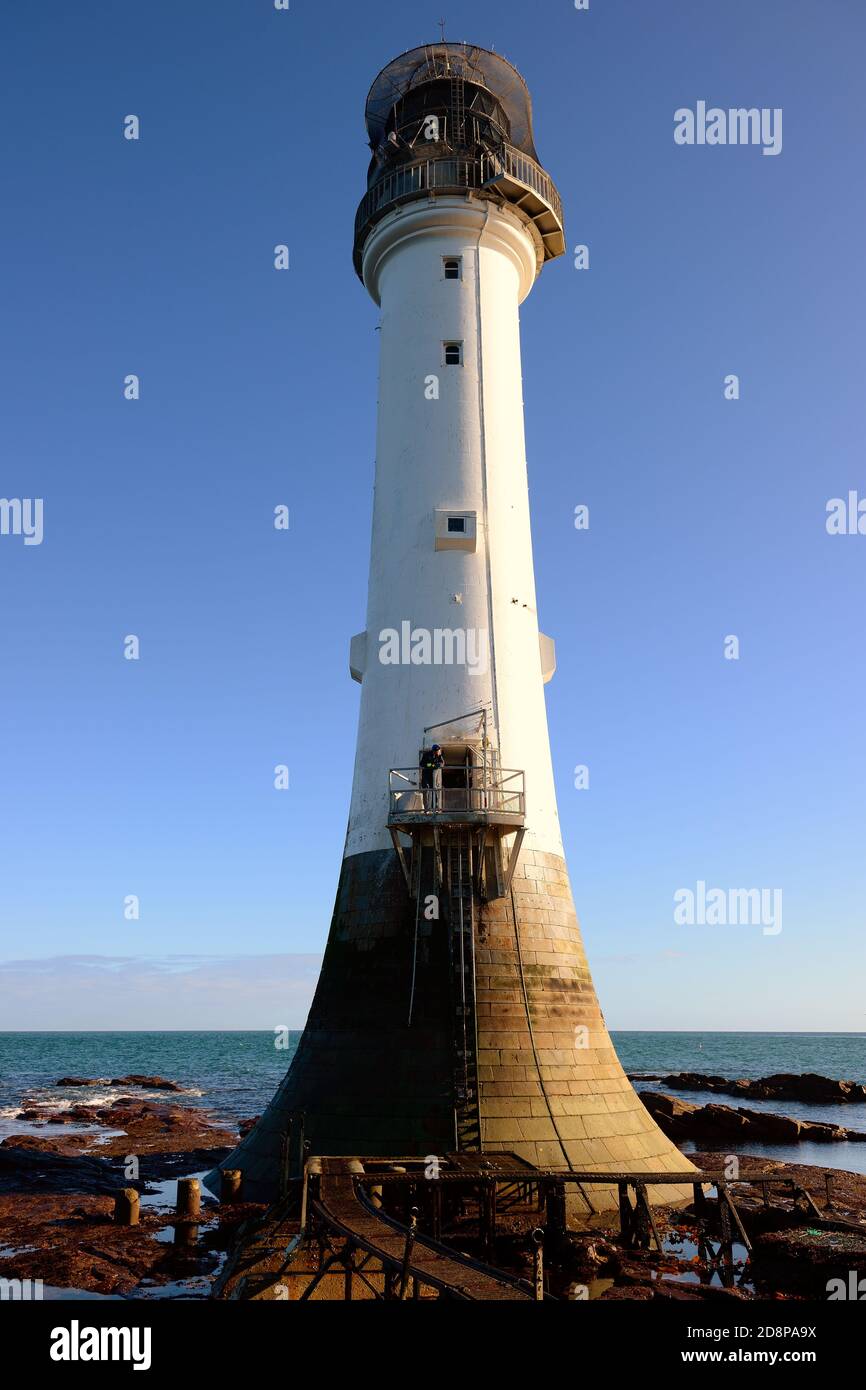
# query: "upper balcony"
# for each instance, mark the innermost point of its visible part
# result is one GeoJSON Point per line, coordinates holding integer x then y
{"type": "Point", "coordinates": [506, 174]}
{"type": "Point", "coordinates": [468, 796]}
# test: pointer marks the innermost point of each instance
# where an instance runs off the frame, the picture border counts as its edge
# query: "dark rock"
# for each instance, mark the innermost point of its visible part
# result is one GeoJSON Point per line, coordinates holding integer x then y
{"type": "Point", "coordinates": [808, 1087]}
{"type": "Point", "coordinates": [678, 1293]}
{"type": "Point", "coordinates": [149, 1083]}
{"type": "Point", "coordinates": [679, 1119]}
{"type": "Point", "coordinates": [696, 1081]}
{"type": "Point", "coordinates": [659, 1104]}
{"type": "Point", "coordinates": [25, 1168]}
{"type": "Point", "coordinates": [720, 1120]}
{"type": "Point", "coordinates": [769, 1128]}
{"type": "Point", "coordinates": [822, 1134]}
{"type": "Point", "coordinates": [674, 1117]}
{"type": "Point", "coordinates": [811, 1087]}
{"type": "Point", "coordinates": [804, 1260]}
{"type": "Point", "coordinates": [82, 1081]}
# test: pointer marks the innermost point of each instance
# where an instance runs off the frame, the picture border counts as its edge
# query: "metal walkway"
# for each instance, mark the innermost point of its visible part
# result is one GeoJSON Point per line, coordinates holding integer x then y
{"type": "Point", "coordinates": [342, 1207]}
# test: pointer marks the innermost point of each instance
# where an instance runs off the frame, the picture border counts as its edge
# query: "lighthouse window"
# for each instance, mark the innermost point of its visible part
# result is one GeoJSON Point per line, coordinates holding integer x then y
{"type": "Point", "coordinates": [452, 266]}
{"type": "Point", "coordinates": [454, 530]}
{"type": "Point", "coordinates": [453, 354]}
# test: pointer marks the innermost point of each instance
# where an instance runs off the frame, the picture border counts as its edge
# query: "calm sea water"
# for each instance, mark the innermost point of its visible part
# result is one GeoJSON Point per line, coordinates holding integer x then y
{"type": "Point", "coordinates": [234, 1075]}
{"type": "Point", "coordinates": [838, 1055]}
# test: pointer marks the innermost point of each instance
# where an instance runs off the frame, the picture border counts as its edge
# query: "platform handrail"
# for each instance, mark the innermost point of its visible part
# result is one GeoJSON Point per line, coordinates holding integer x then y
{"type": "Point", "coordinates": [450, 173]}
{"type": "Point", "coordinates": [468, 789]}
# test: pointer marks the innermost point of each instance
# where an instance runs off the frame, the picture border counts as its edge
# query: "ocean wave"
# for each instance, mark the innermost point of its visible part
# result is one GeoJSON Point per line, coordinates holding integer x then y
{"type": "Point", "coordinates": [54, 1100]}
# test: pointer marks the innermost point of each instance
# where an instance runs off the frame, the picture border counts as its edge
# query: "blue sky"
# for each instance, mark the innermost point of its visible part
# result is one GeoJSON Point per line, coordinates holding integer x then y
{"type": "Point", "coordinates": [707, 516]}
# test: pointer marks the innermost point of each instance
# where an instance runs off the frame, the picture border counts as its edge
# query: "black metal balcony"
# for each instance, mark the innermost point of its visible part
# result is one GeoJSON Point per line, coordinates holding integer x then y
{"type": "Point", "coordinates": [507, 175]}
{"type": "Point", "coordinates": [468, 796]}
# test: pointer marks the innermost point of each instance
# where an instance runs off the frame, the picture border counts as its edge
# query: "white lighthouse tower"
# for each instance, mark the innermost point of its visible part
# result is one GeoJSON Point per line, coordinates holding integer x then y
{"type": "Point", "coordinates": [455, 1009]}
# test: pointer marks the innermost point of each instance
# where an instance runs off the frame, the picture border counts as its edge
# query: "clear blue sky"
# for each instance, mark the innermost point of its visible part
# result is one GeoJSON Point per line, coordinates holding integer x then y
{"type": "Point", "coordinates": [259, 388]}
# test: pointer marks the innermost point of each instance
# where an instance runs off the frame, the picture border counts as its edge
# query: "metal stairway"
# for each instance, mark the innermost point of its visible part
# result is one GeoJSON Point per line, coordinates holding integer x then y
{"type": "Point", "coordinates": [461, 955]}
{"type": "Point", "coordinates": [458, 111]}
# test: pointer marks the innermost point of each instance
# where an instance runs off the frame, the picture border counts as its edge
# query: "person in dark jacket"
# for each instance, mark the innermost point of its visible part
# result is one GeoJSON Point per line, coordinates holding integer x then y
{"type": "Point", "coordinates": [432, 763]}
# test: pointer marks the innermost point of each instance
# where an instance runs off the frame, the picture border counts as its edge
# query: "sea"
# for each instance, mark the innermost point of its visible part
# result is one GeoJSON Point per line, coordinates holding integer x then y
{"type": "Point", "coordinates": [233, 1075]}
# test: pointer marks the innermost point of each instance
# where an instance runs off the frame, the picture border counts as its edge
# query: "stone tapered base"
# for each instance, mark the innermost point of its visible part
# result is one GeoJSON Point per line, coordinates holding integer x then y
{"type": "Point", "coordinates": [552, 1088]}
{"type": "Point", "coordinates": [365, 1081]}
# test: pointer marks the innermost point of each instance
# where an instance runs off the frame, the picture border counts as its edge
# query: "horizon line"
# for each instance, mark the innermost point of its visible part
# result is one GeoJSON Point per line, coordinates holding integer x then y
{"type": "Point", "coordinates": [704, 1032]}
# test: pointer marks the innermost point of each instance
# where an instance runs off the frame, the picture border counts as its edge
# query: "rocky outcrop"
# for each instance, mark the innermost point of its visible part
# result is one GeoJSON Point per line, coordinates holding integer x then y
{"type": "Point", "coordinates": [808, 1087]}
{"type": "Point", "coordinates": [682, 1120]}
{"type": "Point", "coordinates": [57, 1199]}
{"type": "Point", "coordinates": [147, 1083]}
{"type": "Point", "coordinates": [25, 1168]}
{"type": "Point", "coordinates": [142, 1127]}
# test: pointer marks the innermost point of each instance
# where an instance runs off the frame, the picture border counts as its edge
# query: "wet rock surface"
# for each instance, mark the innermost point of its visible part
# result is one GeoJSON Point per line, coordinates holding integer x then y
{"type": "Point", "coordinates": [796, 1254]}
{"type": "Point", "coordinates": [57, 1191]}
{"type": "Point", "coordinates": [681, 1120]}
{"type": "Point", "coordinates": [145, 1127]}
{"type": "Point", "coordinates": [148, 1083]}
{"type": "Point", "coordinates": [810, 1088]}
{"type": "Point", "coordinates": [74, 1243]}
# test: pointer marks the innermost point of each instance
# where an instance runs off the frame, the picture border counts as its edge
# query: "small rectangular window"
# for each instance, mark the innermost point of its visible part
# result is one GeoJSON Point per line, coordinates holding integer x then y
{"type": "Point", "coordinates": [453, 354]}
{"type": "Point", "coordinates": [454, 530]}
{"type": "Point", "coordinates": [452, 266]}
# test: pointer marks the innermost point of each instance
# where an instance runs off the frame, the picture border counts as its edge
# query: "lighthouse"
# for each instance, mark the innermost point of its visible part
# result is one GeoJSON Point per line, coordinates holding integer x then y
{"type": "Point", "coordinates": [455, 1012]}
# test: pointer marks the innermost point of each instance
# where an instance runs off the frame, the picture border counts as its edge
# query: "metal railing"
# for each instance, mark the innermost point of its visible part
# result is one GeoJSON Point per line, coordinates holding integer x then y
{"type": "Point", "coordinates": [432, 175]}
{"type": "Point", "coordinates": [466, 790]}
{"type": "Point", "coordinates": [515, 164]}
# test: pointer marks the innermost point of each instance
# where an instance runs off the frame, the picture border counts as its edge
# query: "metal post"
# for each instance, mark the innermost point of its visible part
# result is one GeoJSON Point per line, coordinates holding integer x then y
{"type": "Point", "coordinates": [127, 1207]}
{"type": "Point", "coordinates": [407, 1253]}
{"type": "Point", "coordinates": [285, 1158]}
{"type": "Point", "coordinates": [301, 1154]}
{"type": "Point", "coordinates": [188, 1197]}
{"type": "Point", "coordinates": [231, 1185]}
{"type": "Point", "coordinates": [538, 1263]}
{"type": "Point", "coordinates": [725, 1224]}
{"type": "Point", "coordinates": [625, 1215]}
{"type": "Point", "coordinates": [312, 1169]}
{"type": "Point", "coordinates": [437, 1210]}
{"type": "Point", "coordinates": [555, 1222]}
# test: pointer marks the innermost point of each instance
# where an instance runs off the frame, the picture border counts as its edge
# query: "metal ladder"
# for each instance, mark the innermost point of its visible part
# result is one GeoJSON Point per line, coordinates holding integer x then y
{"type": "Point", "coordinates": [461, 952]}
{"type": "Point", "coordinates": [458, 111]}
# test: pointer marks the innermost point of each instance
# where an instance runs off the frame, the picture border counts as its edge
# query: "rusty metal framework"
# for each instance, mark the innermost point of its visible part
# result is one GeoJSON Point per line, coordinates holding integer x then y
{"type": "Point", "coordinates": [456, 119]}
{"type": "Point", "coordinates": [380, 1223]}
